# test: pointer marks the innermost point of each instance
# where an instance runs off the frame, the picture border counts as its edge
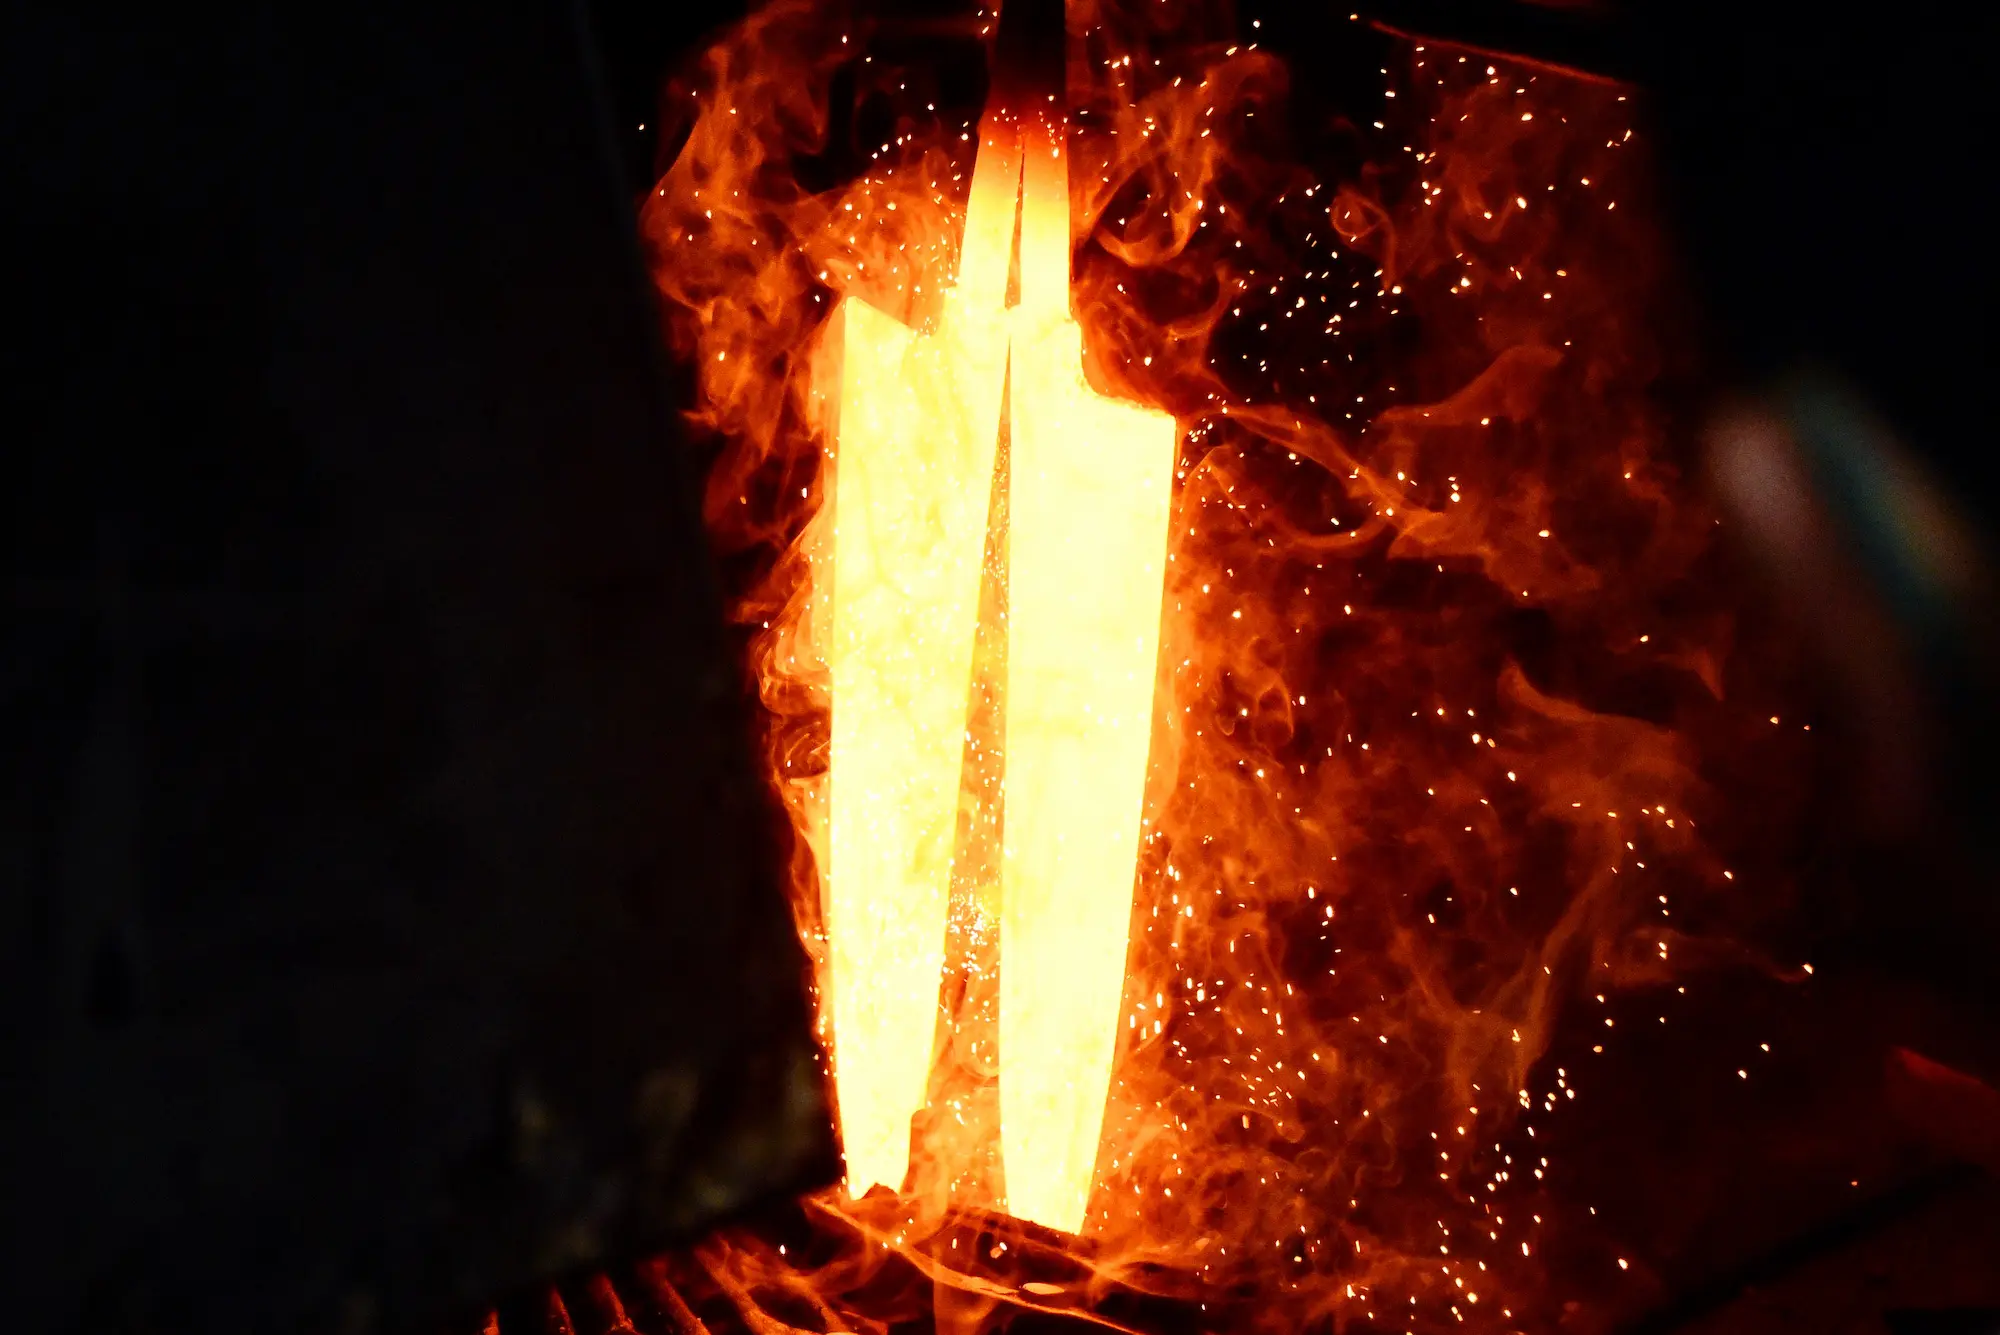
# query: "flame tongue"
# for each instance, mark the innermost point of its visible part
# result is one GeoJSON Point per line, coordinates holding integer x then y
{"type": "Point", "coordinates": [919, 419]}
{"type": "Point", "coordinates": [1427, 544]}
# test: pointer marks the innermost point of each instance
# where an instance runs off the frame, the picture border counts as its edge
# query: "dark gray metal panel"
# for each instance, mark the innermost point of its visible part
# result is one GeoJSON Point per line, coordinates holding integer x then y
{"type": "Point", "coordinates": [391, 912]}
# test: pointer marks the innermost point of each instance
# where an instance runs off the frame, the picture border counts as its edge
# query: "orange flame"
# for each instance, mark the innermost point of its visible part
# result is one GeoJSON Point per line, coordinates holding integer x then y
{"type": "Point", "coordinates": [1419, 772]}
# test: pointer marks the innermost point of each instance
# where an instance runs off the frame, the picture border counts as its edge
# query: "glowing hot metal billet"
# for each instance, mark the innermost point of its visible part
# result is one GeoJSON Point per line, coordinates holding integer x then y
{"type": "Point", "coordinates": [918, 427]}
{"type": "Point", "coordinates": [1090, 480]}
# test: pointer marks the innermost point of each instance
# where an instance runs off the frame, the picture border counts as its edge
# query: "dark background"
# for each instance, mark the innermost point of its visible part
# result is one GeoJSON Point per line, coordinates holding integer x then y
{"type": "Point", "coordinates": [389, 910]}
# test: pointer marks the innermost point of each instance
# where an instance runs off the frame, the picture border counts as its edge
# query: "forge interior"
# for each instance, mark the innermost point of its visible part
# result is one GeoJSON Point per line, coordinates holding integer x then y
{"type": "Point", "coordinates": [1488, 964]}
